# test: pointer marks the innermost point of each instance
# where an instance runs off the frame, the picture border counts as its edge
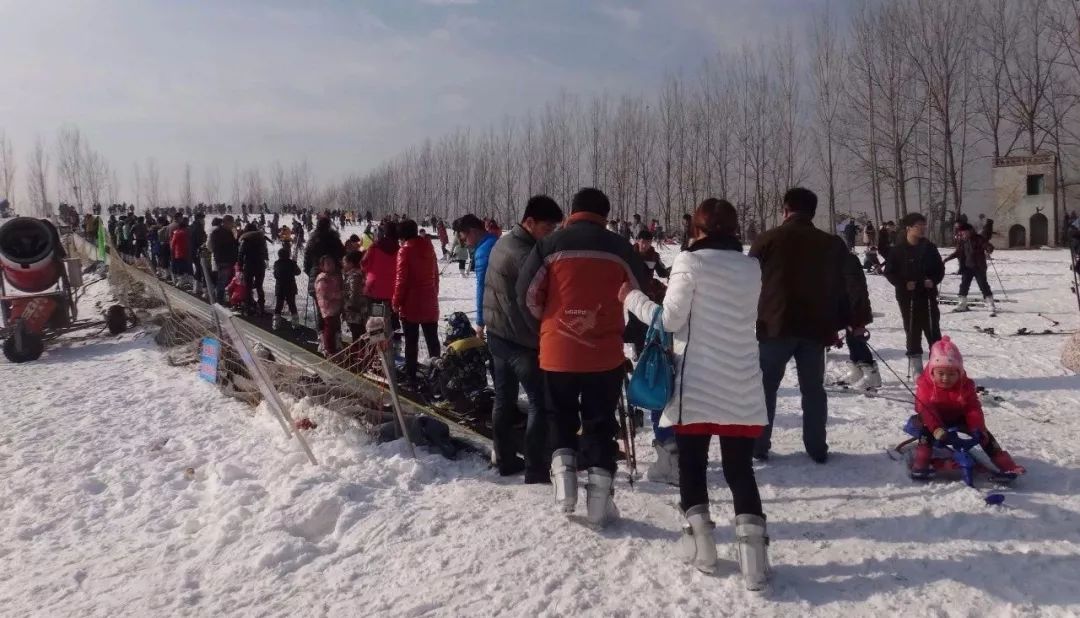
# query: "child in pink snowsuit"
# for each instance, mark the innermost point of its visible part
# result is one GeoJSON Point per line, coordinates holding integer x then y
{"type": "Point", "coordinates": [328, 294]}
{"type": "Point", "coordinates": [946, 397]}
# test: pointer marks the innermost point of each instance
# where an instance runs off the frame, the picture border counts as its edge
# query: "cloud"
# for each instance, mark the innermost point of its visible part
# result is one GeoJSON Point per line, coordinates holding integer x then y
{"type": "Point", "coordinates": [449, 2]}
{"type": "Point", "coordinates": [627, 17]}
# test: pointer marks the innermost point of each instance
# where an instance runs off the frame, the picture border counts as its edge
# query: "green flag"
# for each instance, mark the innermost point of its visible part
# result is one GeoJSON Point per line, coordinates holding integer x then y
{"type": "Point", "coordinates": [101, 247]}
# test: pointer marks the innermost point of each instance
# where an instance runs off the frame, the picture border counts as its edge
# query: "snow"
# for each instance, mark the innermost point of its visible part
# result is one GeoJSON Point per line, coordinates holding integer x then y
{"type": "Point", "coordinates": [131, 488]}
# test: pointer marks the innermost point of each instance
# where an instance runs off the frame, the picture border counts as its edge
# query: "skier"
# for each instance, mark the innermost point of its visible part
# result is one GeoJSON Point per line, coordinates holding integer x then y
{"type": "Point", "coordinates": [862, 369]}
{"type": "Point", "coordinates": [885, 241]}
{"type": "Point", "coordinates": [416, 295]}
{"type": "Point", "coordinates": [666, 467]}
{"type": "Point", "coordinates": [460, 253]}
{"type": "Point", "coordinates": [972, 252]}
{"type": "Point", "coordinates": [718, 388]}
{"type": "Point", "coordinates": [850, 232]}
{"type": "Point", "coordinates": [444, 238]}
{"type": "Point", "coordinates": [285, 272]}
{"type": "Point", "coordinates": [569, 286]}
{"type": "Point", "coordinates": [915, 269]}
{"type": "Point", "coordinates": [945, 397]}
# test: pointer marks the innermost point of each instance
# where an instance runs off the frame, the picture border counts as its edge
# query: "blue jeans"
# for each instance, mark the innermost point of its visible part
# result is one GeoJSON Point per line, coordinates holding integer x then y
{"type": "Point", "coordinates": [517, 367]}
{"type": "Point", "coordinates": [809, 358]}
{"type": "Point", "coordinates": [858, 350]}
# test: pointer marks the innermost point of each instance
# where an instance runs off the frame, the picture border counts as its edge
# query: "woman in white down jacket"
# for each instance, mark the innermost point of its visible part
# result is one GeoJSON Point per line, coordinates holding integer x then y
{"type": "Point", "coordinates": [711, 307]}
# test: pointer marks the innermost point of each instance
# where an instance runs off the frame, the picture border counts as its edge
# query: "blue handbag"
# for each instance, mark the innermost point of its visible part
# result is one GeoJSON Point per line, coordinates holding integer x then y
{"type": "Point", "coordinates": [653, 380]}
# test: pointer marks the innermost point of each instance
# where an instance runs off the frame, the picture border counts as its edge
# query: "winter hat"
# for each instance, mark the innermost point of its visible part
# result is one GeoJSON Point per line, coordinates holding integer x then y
{"type": "Point", "coordinates": [944, 353]}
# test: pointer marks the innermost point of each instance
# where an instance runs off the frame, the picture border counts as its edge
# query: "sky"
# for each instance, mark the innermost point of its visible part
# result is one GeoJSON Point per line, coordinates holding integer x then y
{"type": "Point", "coordinates": [342, 85]}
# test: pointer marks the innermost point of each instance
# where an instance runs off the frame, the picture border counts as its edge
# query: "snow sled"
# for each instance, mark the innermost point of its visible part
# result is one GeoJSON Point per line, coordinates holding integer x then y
{"type": "Point", "coordinates": [963, 462]}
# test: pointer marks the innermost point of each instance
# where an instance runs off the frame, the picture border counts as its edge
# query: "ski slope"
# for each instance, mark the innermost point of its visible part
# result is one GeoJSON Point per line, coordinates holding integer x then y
{"type": "Point", "coordinates": [99, 515]}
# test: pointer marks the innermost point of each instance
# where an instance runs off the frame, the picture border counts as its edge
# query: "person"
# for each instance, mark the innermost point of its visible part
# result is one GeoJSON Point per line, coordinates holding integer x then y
{"type": "Point", "coordinates": [328, 295]}
{"type": "Point", "coordinates": [164, 246]}
{"type": "Point", "coordinates": [492, 227]}
{"type": "Point", "coordinates": [254, 256]}
{"type": "Point", "coordinates": [198, 241]}
{"type": "Point", "coordinates": [298, 236]}
{"type": "Point", "coordinates": [665, 469]}
{"type": "Point", "coordinates": [285, 236]}
{"type": "Point", "coordinates": [850, 232]}
{"type": "Point", "coordinates": [461, 254]}
{"type": "Point", "coordinates": [416, 295]}
{"type": "Point", "coordinates": [915, 269]}
{"type": "Point", "coordinates": [478, 238]}
{"type": "Point", "coordinates": [972, 252]}
{"type": "Point", "coordinates": [324, 241]}
{"type": "Point", "coordinates": [686, 231]}
{"type": "Point", "coordinates": [139, 232]}
{"type": "Point", "coordinates": [946, 398]}
{"type": "Point", "coordinates": [353, 244]}
{"type": "Point", "coordinates": [444, 238]}
{"type": "Point", "coordinates": [380, 268]}
{"type": "Point", "coordinates": [180, 244]}
{"type": "Point", "coordinates": [286, 270]}
{"type": "Point", "coordinates": [357, 305]}
{"type": "Point", "coordinates": [871, 263]}
{"type": "Point", "coordinates": [636, 227]}
{"type": "Point", "coordinates": [237, 290]}
{"type": "Point", "coordinates": [569, 286]}
{"type": "Point", "coordinates": [225, 250]}
{"type": "Point", "coordinates": [800, 311]}
{"type": "Point", "coordinates": [863, 371]}
{"type": "Point", "coordinates": [884, 242]}
{"type": "Point", "coordinates": [718, 390]}
{"type": "Point", "coordinates": [513, 345]}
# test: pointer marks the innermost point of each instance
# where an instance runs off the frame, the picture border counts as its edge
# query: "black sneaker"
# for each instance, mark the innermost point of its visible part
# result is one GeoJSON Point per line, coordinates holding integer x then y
{"type": "Point", "coordinates": [512, 467]}
{"type": "Point", "coordinates": [762, 456]}
{"type": "Point", "coordinates": [823, 458]}
{"type": "Point", "coordinates": [537, 477]}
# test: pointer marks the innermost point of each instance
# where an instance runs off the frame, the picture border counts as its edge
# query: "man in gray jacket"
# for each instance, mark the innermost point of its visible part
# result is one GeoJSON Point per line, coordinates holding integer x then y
{"type": "Point", "coordinates": [514, 345]}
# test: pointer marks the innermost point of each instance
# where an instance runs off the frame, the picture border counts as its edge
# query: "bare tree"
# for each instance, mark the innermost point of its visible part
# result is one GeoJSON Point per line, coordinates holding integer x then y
{"type": "Point", "coordinates": [187, 192]}
{"type": "Point", "coordinates": [152, 184]}
{"type": "Point", "coordinates": [69, 157]}
{"type": "Point", "coordinates": [7, 169]}
{"type": "Point", "coordinates": [827, 71]}
{"type": "Point", "coordinates": [37, 180]}
{"type": "Point", "coordinates": [211, 184]}
{"type": "Point", "coordinates": [1030, 70]}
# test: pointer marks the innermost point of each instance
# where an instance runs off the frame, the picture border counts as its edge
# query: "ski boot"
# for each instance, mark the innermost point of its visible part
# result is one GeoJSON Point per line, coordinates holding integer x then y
{"type": "Point", "coordinates": [599, 498]}
{"type": "Point", "coordinates": [871, 379]}
{"type": "Point", "coordinates": [752, 548]}
{"type": "Point", "coordinates": [962, 306]}
{"type": "Point", "coordinates": [853, 375]}
{"type": "Point", "coordinates": [293, 322]}
{"type": "Point", "coordinates": [921, 467]}
{"type": "Point", "coordinates": [697, 545]}
{"type": "Point", "coordinates": [915, 365]}
{"type": "Point", "coordinates": [1005, 464]}
{"type": "Point", "coordinates": [564, 478]}
{"type": "Point", "coordinates": [278, 322]}
{"type": "Point", "coordinates": [991, 304]}
{"type": "Point", "coordinates": [666, 468]}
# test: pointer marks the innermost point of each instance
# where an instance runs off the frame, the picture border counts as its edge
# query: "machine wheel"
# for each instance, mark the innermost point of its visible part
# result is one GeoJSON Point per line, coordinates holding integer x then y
{"type": "Point", "coordinates": [32, 348]}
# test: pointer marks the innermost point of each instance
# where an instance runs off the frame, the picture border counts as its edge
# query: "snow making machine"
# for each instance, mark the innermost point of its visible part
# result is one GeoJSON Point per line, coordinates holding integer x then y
{"type": "Point", "coordinates": [37, 287]}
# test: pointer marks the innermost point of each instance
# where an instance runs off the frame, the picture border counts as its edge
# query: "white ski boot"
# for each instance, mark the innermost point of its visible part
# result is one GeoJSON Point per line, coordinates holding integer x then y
{"type": "Point", "coordinates": [991, 304]}
{"type": "Point", "coordinates": [666, 468]}
{"type": "Point", "coordinates": [915, 365]}
{"type": "Point", "coordinates": [751, 546]}
{"type": "Point", "coordinates": [599, 498]}
{"type": "Point", "coordinates": [697, 546]}
{"type": "Point", "coordinates": [871, 378]}
{"type": "Point", "coordinates": [961, 306]}
{"type": "Point", "coordinates": [854, 374]}
{"type": "Point", "coordinates": [564, 478]}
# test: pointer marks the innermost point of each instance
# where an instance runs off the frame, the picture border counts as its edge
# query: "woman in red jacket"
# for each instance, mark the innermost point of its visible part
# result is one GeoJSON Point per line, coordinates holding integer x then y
{"type": "Point", "coordinates": [416, 294]}
{"type": "Point", "coordinates": [380, 268]}
{"type": "Point", "coordinates": [180, 244]}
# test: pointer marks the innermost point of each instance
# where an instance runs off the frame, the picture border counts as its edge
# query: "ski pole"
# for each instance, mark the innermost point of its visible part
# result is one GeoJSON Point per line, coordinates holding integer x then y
{"type": "Point", "coordinates": [998, 275]}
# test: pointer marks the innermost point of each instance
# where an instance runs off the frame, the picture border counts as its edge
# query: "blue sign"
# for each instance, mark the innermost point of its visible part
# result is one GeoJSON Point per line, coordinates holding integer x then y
{"type": "Point", "coordinates": [208, 359]}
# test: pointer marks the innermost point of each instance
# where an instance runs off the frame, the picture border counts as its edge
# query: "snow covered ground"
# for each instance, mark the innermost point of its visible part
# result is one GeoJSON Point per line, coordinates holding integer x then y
{"type": "Point", "coordinates": [100, 517]}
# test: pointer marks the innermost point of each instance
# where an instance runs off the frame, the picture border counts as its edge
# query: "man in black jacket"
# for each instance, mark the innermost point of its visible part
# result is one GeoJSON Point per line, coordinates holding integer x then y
{"type": "Point", "coordinates": [916, 270]}
{"type": "Point", "coordinates": [513, 344]}
{"type": "Point", "coordinates": [197, 241]}
{"type": "Point", "coordinates": [255, 258]}
{"type": "Point", "coordinates": [801, 309]}
{"type": "Point", "coordinates": [324, 241]}
{"type": "Point", "coordinates": [224, 248]}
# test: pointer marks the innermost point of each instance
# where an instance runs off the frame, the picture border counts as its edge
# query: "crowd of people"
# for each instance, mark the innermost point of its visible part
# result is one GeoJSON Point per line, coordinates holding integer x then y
{"type": "Point", "coordinates": [559, 297]}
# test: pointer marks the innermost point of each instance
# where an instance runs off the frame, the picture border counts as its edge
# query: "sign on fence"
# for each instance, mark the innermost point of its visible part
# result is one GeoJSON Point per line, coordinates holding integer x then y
{"type": "Point", "coordinates": [208, 359]}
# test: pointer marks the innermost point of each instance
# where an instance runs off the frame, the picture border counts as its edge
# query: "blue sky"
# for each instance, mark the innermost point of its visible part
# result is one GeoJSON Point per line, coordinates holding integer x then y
{"type": "Point", "coordinates": [341, 84]}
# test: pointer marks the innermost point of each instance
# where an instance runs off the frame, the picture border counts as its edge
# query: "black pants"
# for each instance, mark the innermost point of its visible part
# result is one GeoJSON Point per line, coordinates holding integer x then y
{"type": "Point", "coordinates": [517, 367]}
{"type": "Point", "coordinates": [285, 299]}
{"type": "Point", "coordinates": [357, 330]}
{"type": "Point", "coordinates": [967, 274]}
{"type": "Point", "coordinates": [921, 317]}
{"type": "Point", "coordinates": [412, 344]}
{"type": "Point", "coordinates": [585, 401]}
{"type": "Point", "coordinates": [736, 456]}
{"type": "Point", "coordinates": [254, 281]}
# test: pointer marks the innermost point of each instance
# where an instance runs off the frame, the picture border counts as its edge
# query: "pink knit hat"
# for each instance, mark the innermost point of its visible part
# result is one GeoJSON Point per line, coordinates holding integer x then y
{"type": "Point", "coordinates": [944, 353]}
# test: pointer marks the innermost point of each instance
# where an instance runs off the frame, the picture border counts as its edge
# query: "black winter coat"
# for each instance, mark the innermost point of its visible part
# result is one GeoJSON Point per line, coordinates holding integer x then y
{"type": "Point", "coordinates": [285, 273]}
{"type": "Point", "coordinates": [860, 313]}
{"type": "Point", "coordinates": [223, 246]}
{"type": "Point", "coordinates": [253, 251]}
{"type": "Point", "coordinates": [915, 263]}
{"type": "Point", "coordinates": [320, 244]}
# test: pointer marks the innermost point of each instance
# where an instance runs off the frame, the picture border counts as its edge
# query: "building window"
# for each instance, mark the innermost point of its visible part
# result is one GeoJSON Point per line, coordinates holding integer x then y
{"type": "Point", "coordinates": [1036, 184]}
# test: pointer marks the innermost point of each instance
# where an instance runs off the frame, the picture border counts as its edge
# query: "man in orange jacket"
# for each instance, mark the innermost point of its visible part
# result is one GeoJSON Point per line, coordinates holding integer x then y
{"type": "Point", "coordinates": [569, 287]}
